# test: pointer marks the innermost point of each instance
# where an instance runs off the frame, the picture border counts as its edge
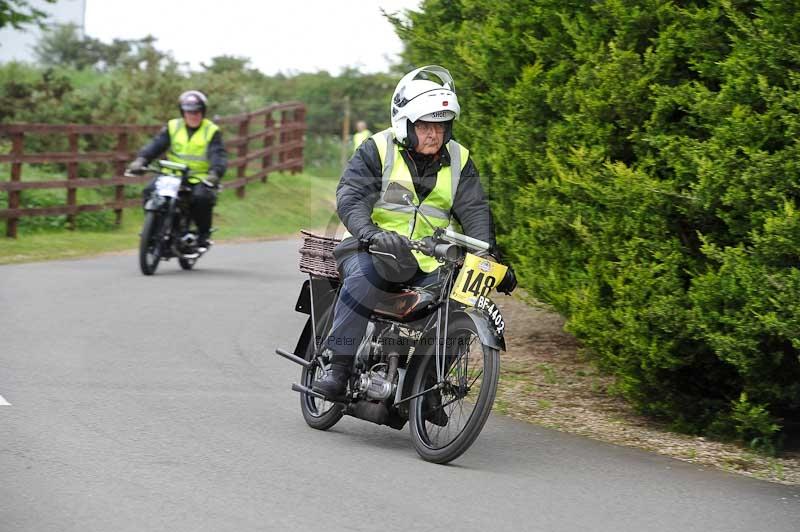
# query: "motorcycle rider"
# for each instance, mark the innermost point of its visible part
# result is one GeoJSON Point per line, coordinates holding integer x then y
{"type": "Point", "coordinates": [195, 141]}
{"type": "Point", "coordinates": [419, 152]}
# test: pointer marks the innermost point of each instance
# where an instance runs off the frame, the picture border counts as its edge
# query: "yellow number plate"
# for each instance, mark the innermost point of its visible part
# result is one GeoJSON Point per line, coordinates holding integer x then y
{"type": "Point", "coordinates": [478, 277]}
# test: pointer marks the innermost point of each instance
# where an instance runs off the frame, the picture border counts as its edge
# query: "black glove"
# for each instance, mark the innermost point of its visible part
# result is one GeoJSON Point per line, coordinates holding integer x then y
{"type": "Point", "coordinates": [509, 282]}
{"type": "Point", "coordinates": [137, 166]}
{"type": "Point", "coordinates": [389, 242]}
{"type": "Point", "coordinates": [213, 178]}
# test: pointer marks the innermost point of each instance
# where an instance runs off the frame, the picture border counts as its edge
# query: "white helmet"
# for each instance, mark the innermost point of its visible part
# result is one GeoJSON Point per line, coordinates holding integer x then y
{"type": "Point", "coordinates": [422, 99]}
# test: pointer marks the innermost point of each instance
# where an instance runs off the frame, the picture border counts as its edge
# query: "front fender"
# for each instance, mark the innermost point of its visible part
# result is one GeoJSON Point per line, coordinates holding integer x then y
{"type": "Point", "coordinates": [486, 329]}
{"type": "Point", "coordinates": [486, 332]}
{"type": "Point", "coordinates": [155, 203]}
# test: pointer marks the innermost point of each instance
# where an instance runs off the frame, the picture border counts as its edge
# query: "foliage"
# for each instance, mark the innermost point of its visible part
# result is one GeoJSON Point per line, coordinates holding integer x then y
{"type": "Point", "coordinates": [18, 13]}
{"type": "Point", "coordinates": [643, 163]}
{"type": "Point", "coordinates": [83, 80]}
{"type": "Point", "coordinates": [139, 73]}
{"type": "Point", "coordinates": [61, 45]}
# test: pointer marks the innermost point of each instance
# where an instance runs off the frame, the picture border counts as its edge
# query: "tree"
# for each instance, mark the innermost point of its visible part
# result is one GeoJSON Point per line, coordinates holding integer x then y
{"type": "Point", "coordinates": [18, 13]}
{"type": "Point", "coordinates": [61, 45]}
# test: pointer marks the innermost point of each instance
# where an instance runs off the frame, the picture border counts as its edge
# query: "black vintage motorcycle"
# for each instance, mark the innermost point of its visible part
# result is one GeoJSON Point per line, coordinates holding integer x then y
{"type": "Point", "coordinates": [168, 230]}
{"type": "Point", "coordinates": [430, 354]}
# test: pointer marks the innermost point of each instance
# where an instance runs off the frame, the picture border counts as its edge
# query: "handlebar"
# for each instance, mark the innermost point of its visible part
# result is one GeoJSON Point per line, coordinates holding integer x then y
{"type": "Point", "coordinates": [443, 251]}
{"type": "Point", "coordinates": [158, 168]}
{"type": "Point", "coordinates": [466, 241]}
{"type": "Point", "coordinates": [438, 246]}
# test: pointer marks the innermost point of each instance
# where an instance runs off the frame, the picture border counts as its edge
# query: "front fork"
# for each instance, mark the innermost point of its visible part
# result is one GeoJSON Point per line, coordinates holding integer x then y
{"type": "Point", "coordinates": [166, 227]}
{"type": "Point", "coordinates": [156, 204]}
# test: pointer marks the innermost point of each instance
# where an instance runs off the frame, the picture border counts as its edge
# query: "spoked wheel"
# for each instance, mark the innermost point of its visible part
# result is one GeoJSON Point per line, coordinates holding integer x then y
{"type": "Point", "coordinates": [318, 413]}
{"type": "Point", "coordinates": [445, 421]}
{"type": "Point", "coordinates": [149, 246]}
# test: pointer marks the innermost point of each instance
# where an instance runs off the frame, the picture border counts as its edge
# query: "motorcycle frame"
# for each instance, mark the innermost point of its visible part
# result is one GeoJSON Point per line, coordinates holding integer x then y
{"type": "Point", "coordinates": [169, 205]}
{"type": "Point", "coordinates": [314, 301]}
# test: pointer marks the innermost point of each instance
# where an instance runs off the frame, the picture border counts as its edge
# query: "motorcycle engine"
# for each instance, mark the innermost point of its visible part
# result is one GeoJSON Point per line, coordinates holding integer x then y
{"type": "Point", "coordinates": [375, 385]}
{"type": "Point", "coordinates": [188, 242]}
{"type": "Point", "coordinates": [380, 353]}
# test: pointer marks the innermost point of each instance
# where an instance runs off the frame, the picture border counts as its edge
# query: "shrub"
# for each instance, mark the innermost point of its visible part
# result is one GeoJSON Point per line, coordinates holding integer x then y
{"type": "Point", "coordinates": [642, 160]}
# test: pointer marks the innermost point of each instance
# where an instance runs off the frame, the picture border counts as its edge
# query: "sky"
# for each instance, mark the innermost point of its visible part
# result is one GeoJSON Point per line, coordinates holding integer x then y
{"type": "Point", "coordinates": [278, 36]}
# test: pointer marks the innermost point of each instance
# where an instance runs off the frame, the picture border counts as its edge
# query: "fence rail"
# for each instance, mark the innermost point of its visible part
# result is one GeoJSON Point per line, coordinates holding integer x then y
{"type": "Point", "coordinates": [272, 138]}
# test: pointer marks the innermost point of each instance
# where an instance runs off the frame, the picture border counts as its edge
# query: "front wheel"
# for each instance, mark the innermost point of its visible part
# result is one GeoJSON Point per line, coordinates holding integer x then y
{"type": "Point", "coordinates": [149, 244]}
{"type": "Point", "coordinates": [446, 420]}
{"type": "Point", "coordinates": [187, 264]}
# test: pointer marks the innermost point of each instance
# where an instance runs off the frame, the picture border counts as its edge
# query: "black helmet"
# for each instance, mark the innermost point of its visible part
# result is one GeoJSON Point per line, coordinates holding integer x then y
{"type": "Point", "coordinates": [192, 101]}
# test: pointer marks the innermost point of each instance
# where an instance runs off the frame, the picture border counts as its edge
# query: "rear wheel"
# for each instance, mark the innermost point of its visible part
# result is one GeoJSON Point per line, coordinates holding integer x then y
{"type": "Point", "coordinates": [318, 413]}
{"type": "Point", "coordinates": [149, 245]}
{"type": "Point", "coordinates": [446, 420]}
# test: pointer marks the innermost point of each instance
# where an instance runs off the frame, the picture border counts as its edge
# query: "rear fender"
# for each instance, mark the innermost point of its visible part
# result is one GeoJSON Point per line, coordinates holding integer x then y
{"type": "Point", "coordinates": [305, 338]}
{"type": "Point", "coordinates": [324, 291]}
{"type": "Point", "coordinates": [324, 296]}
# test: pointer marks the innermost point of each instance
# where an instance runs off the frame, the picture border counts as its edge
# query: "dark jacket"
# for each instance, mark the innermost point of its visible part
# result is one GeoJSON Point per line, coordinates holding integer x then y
{"type": "Point", "coordinates": [360, 187]}
{"type": "Point", "coordinates": [217, 157]}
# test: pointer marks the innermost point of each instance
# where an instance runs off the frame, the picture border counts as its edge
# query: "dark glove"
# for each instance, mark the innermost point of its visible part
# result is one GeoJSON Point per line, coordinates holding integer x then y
{"type": "Point", "coordinates": [509, 282]}
{"type": "Point", "coordinates": [137, 166]}
{"type": "Point", "coordinates": [389, 242]}
{"type": "Point", "coordinates": [213, 178]}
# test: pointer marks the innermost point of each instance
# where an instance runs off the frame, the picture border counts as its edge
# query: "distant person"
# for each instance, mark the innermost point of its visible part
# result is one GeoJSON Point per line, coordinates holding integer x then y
{"type": "Point", "coordinates": [362, 134]}
{"type": "Point", "coordinates": [195, 141]}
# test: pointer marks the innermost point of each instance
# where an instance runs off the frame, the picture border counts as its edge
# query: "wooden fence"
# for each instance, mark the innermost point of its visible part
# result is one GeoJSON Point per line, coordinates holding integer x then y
{"type": "Point", "coordinates": [260, 142]}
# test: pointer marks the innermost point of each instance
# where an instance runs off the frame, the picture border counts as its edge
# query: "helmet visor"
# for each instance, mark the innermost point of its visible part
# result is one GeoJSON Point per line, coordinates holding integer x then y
{"type": "Point", "coordinates": [191, 106]}
{"type": "Point", "coordinates": [438, 116]}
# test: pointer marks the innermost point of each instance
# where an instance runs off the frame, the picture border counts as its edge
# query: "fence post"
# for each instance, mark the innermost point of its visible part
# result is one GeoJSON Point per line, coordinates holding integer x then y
{"type": "Point", "coordinates": [119, 166]}
{"type": "Point", "coordinates": [300, 119]}
{"type": "Point", "coordinates": [244, 128]}
{"type": "Point", "coordinates": [283, 138]}
{"type": "Point", "coordinates": [269, 141]}
{"type": "Point", "coordinates": [17, 143]}
{"type": "Point", "coordinates": [72, 173]}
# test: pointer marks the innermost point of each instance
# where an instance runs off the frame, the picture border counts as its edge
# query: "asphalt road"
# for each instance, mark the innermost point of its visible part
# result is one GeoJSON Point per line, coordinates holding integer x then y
{"type": "Point", "coordinates": [150, 404]}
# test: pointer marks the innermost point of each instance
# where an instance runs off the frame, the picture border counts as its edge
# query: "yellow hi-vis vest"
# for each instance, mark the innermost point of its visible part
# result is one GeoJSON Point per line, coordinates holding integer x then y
{"type": "Point", "coordinates": [436, 207]}
{"type": "Point", "coordinates": [360, 137]}
{"type": "Point", "coordinates": [191, 151]}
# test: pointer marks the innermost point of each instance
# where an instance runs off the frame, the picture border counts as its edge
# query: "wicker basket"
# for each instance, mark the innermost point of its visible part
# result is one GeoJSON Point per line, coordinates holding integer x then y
{"type": "Point", "coordinates": [316, 255]}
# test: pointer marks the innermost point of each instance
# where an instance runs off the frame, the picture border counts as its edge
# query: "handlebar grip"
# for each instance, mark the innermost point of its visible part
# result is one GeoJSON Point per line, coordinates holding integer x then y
{"type": "Point", "coordinates": [474, 243]}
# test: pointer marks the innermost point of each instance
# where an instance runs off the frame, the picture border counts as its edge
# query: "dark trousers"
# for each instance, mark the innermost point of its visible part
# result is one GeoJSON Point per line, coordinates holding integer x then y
{"type": "Point", "coordinates": [202, 205]}
{"type": "Point", "coordinates": [361, 290]}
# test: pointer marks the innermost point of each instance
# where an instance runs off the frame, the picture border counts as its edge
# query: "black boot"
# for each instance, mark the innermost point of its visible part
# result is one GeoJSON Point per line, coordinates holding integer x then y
{"type": "Point", "coordinates": [334, 383]}
{"type": "Point", "coordinates": [203, 242]}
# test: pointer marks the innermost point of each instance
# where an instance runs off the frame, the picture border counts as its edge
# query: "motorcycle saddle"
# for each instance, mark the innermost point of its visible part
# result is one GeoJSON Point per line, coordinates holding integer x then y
{"type": "Point", "coordinates": [406, 304]}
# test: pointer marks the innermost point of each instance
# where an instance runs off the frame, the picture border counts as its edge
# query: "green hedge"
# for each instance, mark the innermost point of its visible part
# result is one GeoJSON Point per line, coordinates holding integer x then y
{"type": "Point", "coordinates": [643, 164]}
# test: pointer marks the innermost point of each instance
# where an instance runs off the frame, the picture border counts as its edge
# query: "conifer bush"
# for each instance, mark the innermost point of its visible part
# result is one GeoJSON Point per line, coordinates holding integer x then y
{"type": "Point", "coordinates": [643, 163]}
